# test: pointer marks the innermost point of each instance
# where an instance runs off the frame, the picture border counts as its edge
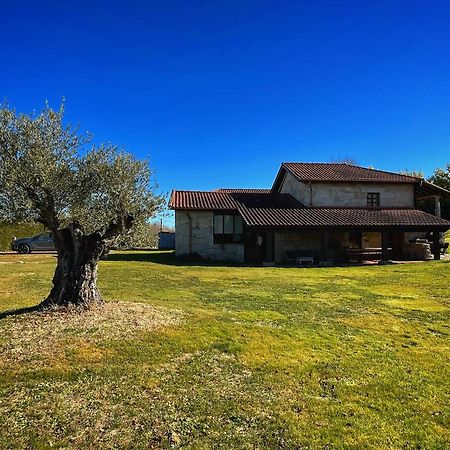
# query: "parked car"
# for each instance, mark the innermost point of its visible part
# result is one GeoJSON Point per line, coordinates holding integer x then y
{"type": "Point", "coordinates": [40, 242]}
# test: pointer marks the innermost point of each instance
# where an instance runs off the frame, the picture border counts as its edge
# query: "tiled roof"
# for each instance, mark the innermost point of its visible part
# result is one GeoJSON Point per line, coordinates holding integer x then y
{"type": "Point", "coordinates": [425, 189]}
{"type": "Point", "coordinates": [244, 191]}
{"type": "Point", "coordinates": [340, 218]}
{"type": "Point", "coordinates": [268, 200]}
{"type": "Point", "coordinates": [201, 200]}
{"type": "Point", "coordinates": [284, 211]}
{"type": "Point", "coordinates": [341, 172]}
{"type": "Point", "coordinates": [219, 200]}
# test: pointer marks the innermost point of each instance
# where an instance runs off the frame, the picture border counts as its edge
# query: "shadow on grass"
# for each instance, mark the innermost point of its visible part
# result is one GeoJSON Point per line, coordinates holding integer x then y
{"type": "Point", "coordinates": [19, 311]}
{"type": "Point", "coordinates": [168, 258]}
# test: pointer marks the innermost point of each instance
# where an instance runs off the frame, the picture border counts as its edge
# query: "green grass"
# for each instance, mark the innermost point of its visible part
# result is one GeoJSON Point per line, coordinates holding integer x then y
{"type": "Point", "coordinates": [354, 357]}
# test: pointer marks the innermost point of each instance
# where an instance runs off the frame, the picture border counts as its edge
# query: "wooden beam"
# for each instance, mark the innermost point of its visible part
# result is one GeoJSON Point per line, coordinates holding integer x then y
{"type": "Point", "coordinates": [325, 245]}
{"type": "Point", "coordinates": [384, 246]}
{"type": "Point", "coordinates": [435, 246]}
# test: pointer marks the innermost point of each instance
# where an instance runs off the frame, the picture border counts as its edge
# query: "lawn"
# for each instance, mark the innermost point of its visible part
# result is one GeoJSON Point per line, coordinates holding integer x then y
{"type": "Point", "coordinates": [228, 357]}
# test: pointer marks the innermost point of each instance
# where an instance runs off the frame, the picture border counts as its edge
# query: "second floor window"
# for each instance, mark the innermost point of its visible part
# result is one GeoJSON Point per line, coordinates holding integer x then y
{"type": "Point", "coordinates": [228, 229]}
{"type": "Point", "coordinates": [373, 199]}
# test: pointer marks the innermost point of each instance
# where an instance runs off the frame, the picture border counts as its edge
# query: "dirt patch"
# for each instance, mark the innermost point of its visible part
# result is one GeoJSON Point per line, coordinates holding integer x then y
{"type": "Point", "coordinates": [38, 337]}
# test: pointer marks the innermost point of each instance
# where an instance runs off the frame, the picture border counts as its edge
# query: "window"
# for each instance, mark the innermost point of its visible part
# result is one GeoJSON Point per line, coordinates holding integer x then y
{"type": "Point", "coordinates": [373, 199]}
{"type": "Point", "coordinates": [228, 229]}
{"type": "Point", "coordinates": [228, 224]}
{"type": "Point", "coordinates": [218, 224]}
{"type": "Point", "coordinates": [43, 237]}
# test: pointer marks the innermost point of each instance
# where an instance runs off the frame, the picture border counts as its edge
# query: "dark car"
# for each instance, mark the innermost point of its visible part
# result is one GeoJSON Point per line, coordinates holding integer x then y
{"type": "Point", "coordinates": [40, 242]}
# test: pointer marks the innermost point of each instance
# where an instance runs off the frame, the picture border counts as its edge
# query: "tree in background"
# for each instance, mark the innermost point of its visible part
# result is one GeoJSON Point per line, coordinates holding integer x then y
{"type": "Point", "coordinates": [413, 173]}
{"type": "Point", "coordinates": [441, 177]}
{"type": "Point", "coordinates": [344, 160]}
{"type": "Point", "coordinates": [87, 195]}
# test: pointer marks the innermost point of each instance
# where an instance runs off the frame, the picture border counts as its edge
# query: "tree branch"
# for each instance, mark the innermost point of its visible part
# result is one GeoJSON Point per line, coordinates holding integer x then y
{"type": "Point", "coordinates": [115, 228]}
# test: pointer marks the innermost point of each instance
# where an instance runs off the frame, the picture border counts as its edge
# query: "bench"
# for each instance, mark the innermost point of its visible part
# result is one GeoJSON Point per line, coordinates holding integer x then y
{"type": "Point", "coordinates": [300, 257]}
{"type": "Point", "coordinates": [304, 260]}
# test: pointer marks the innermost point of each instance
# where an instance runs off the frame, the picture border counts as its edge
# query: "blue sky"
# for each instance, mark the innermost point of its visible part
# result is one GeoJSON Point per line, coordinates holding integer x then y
{"type": "Point", "coordinates": [219, 93]}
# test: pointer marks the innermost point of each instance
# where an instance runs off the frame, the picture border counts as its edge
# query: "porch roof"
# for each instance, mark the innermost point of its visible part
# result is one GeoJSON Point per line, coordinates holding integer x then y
{"type": "Point", "coordinates": [425, 189]}
{"type": "Point", "coordinates": [363, 218]}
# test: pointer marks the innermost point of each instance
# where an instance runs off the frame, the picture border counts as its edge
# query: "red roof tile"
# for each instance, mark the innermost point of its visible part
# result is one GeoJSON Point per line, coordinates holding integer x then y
{"type": "Point", "coordinates": [340, 218]}
{"type": "Point", "coordinates": [219, 200]}
{"type": "Point", "coordinates": [201, 200]}
{"type": "Point", "coordinates": [342, 172]}
{"type": "Point", "coordinates": [284, 211]}
{"type": "Point", "coordinates": [261, 208]}
{"type": "Point", "coordinates": [244, 191]}
{"type": "Point", "coordinates": [267, 200]}
{"type": "Point", "coordinates": [425, 189]}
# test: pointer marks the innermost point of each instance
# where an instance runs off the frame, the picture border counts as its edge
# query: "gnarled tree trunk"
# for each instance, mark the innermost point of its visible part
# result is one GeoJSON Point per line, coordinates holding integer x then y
{"type": "Point", "coordinates": [75, 278]}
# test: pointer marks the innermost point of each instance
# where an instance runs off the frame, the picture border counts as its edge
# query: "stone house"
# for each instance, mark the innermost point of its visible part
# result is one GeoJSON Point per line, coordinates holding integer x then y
{"type": "Point", "coordinates": [314, 212]}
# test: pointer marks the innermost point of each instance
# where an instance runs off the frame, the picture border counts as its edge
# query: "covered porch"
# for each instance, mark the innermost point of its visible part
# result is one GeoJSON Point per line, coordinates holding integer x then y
{"type": "Point", "coordinates": [334, 246]}
{"type": "Point", "coordinates": [332, 235]}
{"type": "Point", "coordinates": [336, 235]}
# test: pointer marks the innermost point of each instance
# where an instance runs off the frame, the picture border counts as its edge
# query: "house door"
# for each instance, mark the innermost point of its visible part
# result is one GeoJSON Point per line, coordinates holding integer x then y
{"type": "Point", "coordinates": [255, 244]}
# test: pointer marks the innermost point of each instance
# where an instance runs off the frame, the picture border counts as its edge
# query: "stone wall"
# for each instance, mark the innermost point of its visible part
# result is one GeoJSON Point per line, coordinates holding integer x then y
{"type": "Point", "coordinates": [300, 191]}
{"type": "Point", "coordinates": [417, 252]}
{"type": "Point", "coordinates": [397, 195]}
{"type": "Point", "coordinates": [202, 237]}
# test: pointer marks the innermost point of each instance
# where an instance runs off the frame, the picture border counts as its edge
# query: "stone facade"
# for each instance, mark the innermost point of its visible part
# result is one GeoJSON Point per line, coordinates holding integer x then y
{"type": "Point", "coordinates": [195, 228]}
{"type": "Point", "coordinates": [392, 195]}
{"type": "Point", "coordinates": [201, 241]}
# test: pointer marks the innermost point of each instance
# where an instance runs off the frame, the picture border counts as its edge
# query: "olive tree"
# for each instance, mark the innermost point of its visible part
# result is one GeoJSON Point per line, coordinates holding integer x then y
{"type": "Point", "coordinates": [86, 195]}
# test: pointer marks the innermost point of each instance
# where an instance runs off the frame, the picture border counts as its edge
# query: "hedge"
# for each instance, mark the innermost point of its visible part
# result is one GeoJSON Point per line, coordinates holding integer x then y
{"type": "Point", "coordinates": [10, 230]}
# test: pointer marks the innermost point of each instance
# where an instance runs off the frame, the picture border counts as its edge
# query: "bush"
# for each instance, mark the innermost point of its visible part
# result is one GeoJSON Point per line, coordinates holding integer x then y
{"type": "Point", "coordinates": [10, 230]}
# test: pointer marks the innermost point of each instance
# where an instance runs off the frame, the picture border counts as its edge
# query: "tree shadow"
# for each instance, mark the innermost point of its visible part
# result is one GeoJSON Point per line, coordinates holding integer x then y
{"type": "Point", "coordinates": [168, 258]}
{"type": "Point", "coordinates": [20, 311]}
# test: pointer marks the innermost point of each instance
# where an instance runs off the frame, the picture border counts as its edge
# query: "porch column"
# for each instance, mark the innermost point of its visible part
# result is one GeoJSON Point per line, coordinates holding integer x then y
{"type": "Point", "coordinates": [435, 246]}
{"type": "Point", "coordinates": [437, 206]}
{"type": "Point", "coordinates": [384, 246]}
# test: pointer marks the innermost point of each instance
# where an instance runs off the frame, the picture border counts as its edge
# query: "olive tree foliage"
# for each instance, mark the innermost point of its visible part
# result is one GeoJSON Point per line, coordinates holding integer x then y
{"type": "Point", "coordinates": [143, 235]}
{"type": "Point", "coordinates": [87, 195]}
